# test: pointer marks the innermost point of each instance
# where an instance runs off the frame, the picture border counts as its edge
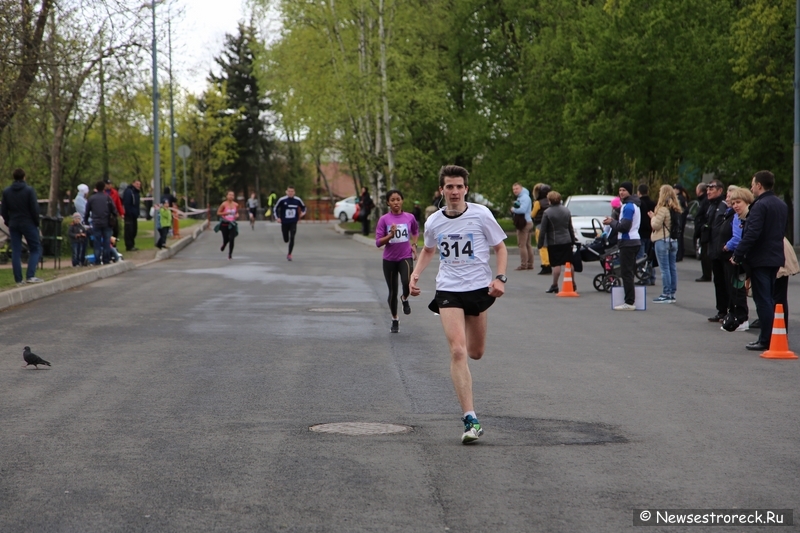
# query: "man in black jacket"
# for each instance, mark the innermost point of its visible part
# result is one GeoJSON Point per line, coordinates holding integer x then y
{"type": "Point", "coordinates": [20, 212]}
{"type": "Point", "coordinates": [99, 208]}
{"type": "Point", "coordinates": [761, 248]}
{"type": "Point", "coordinates": [712, 231]}
{"type": "Point", "coordinates": [130, 201]}
{"type": "Point", "coordinates": [366, 206]}
{"type": "Point", "coordinates": [699, 223]}
{"type": "Point", "coordinates": [645, 206]}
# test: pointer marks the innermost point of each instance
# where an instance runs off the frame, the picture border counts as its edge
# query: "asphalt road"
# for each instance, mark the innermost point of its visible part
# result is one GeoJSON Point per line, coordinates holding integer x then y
{"type": "Point", "coordinates": [181, 397]}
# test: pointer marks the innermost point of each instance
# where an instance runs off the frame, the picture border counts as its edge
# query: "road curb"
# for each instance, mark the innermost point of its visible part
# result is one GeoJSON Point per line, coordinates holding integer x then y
{"type": "Point", "coordinates": [29, 293]}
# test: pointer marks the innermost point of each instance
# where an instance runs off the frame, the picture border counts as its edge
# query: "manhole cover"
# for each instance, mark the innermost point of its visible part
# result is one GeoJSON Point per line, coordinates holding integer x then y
{"type": "Point", "coordinates": [333, 310]}
{"type": "Point", "coordinates": [360, 428]}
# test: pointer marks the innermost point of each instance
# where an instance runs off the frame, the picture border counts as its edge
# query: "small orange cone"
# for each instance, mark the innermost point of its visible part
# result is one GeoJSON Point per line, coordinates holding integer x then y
{"type": "Point", "coordinates": [568, 288]}
{"type": "Point", "coordinates": [779, 343]}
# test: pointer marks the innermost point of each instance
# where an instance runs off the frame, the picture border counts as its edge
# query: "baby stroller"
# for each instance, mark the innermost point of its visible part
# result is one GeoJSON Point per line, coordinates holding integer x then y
{"type": "Point", "coordinates": [604, 249]}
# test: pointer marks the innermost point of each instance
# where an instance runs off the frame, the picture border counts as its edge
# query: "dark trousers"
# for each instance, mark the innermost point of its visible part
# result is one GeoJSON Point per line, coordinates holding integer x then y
{"type": "Point", "coordinates": [131, 229]}
{"type": "Point", "coordinates": [289, 230]}
{"type": "Point", "coordinates": [364, 223]}
{"type": "Point", "coordinates": [227, 238]}
{"type": "Point", "coordinates": [646, 251]}
{"type": "Point", "coordinates": [705, 262]}
{"type": "Point", "coordinates": [627, 265]}
{"type": "Point", "coordinates": [762, 281]}
{"type": "Point", "coordinates": [78, 252]}
{"type": "Point", "coordinates": [392, 270]}
{"type": "Point", "coordinates": [102, 245]}
{"type": "Point", "coordinates": [31, 234]}
{"type": "Point", "coordinates": [737, 298]}
{"type": "Point", "coordinates": [720, 285]}
{"type": "Point", "coordinates": [781, 296]}
{"type": "Point", "coordinates": [163, 233]}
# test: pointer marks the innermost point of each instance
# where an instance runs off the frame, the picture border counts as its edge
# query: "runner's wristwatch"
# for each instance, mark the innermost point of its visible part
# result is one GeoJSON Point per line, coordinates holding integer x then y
{"type": "Point", "coordinates": [502, 278]}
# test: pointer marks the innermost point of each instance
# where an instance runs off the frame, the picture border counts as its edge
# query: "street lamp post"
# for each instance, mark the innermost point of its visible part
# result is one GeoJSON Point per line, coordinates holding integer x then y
{"type": "Point", "coordinates": [171, 109]}
{"type": "Point", "coordinates": [796, 148]}
{"type": "Point", "coordinates": [156, 153]}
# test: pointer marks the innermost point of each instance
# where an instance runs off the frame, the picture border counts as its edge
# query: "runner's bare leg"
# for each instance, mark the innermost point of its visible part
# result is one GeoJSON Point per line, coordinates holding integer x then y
{"type": "Point", "coordinates": [454, 324]}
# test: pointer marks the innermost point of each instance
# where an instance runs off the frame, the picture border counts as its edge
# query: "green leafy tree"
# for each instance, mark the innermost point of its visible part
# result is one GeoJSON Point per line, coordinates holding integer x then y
{"type": "Point", "coordinates": [246, 107]}
{"type": "Point", "coordinates": [764, 68]}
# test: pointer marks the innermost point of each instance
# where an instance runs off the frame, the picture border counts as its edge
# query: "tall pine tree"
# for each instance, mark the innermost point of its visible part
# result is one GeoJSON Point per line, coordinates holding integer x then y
{"type": "Point", "coordinates": [245, 103]}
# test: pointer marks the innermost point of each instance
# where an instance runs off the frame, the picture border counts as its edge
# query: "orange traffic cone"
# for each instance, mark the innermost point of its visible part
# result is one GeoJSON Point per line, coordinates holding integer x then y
{"type": "Point", "coordinates": [568, 288]}
{"type": "Point", "coordinates": [779, 343]}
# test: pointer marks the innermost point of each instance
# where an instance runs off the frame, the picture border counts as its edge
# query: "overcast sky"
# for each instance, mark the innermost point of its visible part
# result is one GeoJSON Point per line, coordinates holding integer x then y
{"type": "Point", "coordinates": [198, 35]}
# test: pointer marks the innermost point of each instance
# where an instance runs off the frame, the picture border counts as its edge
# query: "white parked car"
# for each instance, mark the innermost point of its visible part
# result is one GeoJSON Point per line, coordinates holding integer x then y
{"type": "Point", "coordinates": [345, 209]}
{"type": "Point", "coordinates": [587, 207]}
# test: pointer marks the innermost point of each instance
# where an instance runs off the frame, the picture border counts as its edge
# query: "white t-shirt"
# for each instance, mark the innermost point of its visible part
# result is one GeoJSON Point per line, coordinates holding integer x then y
{"type": "Point", "coordinates": [463, 244]}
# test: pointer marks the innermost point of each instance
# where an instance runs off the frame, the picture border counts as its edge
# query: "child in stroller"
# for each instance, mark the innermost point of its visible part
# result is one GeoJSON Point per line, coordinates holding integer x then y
{"type": "Point", "coordinates": [605, 250]}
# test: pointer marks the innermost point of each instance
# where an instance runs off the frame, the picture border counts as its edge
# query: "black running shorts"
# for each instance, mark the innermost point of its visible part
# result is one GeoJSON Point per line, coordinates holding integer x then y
{"type": "Point", "coordinates": [472, 302]}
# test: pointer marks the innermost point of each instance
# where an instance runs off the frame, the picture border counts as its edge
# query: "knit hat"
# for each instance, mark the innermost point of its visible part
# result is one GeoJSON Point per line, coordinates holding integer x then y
{"type": "Point", "coordinates": [627, 185]}
{"type": "Point", "coordinates": [616, 203]}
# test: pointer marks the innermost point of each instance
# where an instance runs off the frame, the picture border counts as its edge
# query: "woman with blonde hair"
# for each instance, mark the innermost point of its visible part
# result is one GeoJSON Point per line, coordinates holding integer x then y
{"type": "Point", "coordinates": [737, 317]}
{"type": "Point", "coordinates": [663, 222]}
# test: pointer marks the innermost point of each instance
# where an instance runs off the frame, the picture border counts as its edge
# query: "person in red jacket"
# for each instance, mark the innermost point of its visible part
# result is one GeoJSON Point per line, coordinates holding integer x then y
{"type": "Point", "coordinates": [112, 192]}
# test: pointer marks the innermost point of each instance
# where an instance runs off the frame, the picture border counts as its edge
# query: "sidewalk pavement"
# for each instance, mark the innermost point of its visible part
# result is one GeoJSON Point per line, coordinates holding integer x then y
{"type": "Point", "coordinates": [28, 293]}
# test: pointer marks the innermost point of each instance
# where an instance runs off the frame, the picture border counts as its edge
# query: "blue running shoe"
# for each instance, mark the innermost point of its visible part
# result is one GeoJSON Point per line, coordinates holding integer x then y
{"type": "Point", "coordinates": [472, 430]}
{"type": "Point", "coordinates": [663, 299]}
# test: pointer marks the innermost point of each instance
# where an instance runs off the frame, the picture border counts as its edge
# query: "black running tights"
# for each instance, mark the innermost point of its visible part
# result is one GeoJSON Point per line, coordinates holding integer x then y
{"type": "Point", "coordinates": [288, 234]}
{"type": "Point", "coordinates": [391, 269]}
{"type": "Point", "coordinates": [227, 238]}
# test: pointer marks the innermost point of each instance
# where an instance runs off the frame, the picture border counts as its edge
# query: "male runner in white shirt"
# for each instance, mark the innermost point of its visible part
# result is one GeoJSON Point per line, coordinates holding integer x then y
{"type": "Point", "coordinates": [463, 233]}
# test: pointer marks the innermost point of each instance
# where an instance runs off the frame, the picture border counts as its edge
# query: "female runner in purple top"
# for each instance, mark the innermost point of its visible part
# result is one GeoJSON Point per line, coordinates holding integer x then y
{"type": "Point", "coordinates": [398, 232]}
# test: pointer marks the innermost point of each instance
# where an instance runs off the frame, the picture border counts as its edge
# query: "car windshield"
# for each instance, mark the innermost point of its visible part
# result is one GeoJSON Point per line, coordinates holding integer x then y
{"type": "Point", "coordinates": [590, 208]}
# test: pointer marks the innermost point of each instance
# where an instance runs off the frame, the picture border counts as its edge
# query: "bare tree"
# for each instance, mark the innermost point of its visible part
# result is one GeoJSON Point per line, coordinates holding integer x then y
{"type": "Point", "coordinates": [70, 57]}
{"type": "Point", "coordinates": [21, 34]}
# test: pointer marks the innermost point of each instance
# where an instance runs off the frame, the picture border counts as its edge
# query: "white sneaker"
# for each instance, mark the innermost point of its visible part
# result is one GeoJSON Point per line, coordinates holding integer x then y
{"type": "Point", "coordinates": [34, 280]}
{"type": "Point", "coordinates": [744, 326]}
{"type": "Point", "coordinates": [625, 307]}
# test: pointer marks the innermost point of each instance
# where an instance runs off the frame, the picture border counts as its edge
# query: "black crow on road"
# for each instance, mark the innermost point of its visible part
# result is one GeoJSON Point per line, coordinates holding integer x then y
{"type": "Point", "coordinates": [33, 359]}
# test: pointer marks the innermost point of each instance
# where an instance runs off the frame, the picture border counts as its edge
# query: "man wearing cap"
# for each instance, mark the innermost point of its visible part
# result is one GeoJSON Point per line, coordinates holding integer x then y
{"type": "Point", "coordinates": [628, 228]}
{"type": "Point", "coordinates": [114, 195]}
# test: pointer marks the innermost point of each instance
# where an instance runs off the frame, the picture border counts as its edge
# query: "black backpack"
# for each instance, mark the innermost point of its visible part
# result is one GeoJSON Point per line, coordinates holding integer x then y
{"type": "Point", "coordinates": [675, 229]}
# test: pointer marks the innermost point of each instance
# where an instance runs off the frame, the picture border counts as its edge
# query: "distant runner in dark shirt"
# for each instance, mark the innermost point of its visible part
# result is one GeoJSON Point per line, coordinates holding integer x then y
{"type": "Point", "coordinates": [288, 211]}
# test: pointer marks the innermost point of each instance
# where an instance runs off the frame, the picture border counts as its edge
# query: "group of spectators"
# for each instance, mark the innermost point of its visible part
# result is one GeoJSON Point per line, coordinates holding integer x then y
{"type": "Point", "coordinates": [100, 216]}
{"type": "Point", "coordinates": [741, 240]}
{"type": "Point", "coordinates": [742, 247]}
{"type": "Point", "coordinates": [96, 218]}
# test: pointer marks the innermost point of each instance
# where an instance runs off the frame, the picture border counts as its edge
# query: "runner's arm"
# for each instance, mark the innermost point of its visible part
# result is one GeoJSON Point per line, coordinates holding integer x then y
{"type": "Point", "coordinates": [383, 234]}
{"type": "Point", "coordinates": [424, 259]}
{"type": "Point", "coordinates": [497, 288]}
